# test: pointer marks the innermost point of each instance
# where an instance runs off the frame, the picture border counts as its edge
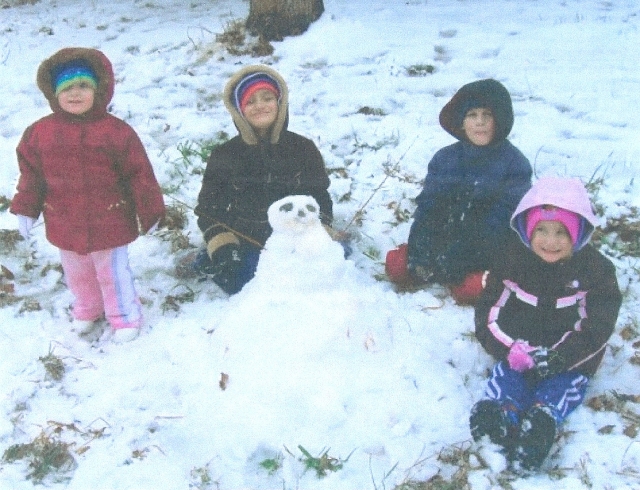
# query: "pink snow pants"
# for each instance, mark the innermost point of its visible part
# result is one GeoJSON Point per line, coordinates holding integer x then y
{"type": "Point", "coordinates": [102, 282]}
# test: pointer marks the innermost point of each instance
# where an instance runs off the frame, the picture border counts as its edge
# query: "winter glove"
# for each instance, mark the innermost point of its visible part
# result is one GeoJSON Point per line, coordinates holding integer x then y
{"type": "Point", "coordinates": [548, 362]}
{"type": "Point", "coordinates": [227, 268]}
{"type": "Point", "coordinates": [519, 356]}
{"type": "Point", "coordinates": [469, 290]}
{"type": "Point", "coordinates": [25, 223]}
{"type": "Point", "coordinates": [226, 257]}
{"type": "Point", "coordinates": [395, 264]}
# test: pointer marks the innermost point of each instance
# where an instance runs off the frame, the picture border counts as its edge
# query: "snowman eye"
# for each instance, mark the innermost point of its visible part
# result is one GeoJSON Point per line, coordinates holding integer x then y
{"type": "Point", "coordinates": [311, 208]}
{"type": "Point", "coordinates": [286, 207]}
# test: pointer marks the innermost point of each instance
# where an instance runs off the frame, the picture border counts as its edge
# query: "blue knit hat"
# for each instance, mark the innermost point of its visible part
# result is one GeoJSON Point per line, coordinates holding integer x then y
{"type": "Point", "coordinates": [74, 71]}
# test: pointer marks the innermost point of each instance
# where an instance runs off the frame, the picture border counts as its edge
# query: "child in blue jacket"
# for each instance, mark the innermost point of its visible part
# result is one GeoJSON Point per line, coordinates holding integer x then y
{"type": "Point", "coordinates": [471, 189]}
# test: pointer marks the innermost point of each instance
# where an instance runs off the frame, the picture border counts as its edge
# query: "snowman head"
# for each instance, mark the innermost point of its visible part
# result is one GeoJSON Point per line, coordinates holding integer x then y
{"type": "Point", "coordinates": [294, 215]}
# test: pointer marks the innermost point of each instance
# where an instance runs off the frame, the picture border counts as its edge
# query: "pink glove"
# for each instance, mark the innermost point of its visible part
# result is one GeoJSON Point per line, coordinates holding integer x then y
{"type": "Point", "coordinates": [519, 358]}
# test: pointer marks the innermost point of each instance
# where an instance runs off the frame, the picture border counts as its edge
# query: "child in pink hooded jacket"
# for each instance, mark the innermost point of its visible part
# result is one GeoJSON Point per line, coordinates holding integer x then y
{"type": "Point", "coordinates": [88, 174]}
{"type": "Point", "coordinates": [546, 315]}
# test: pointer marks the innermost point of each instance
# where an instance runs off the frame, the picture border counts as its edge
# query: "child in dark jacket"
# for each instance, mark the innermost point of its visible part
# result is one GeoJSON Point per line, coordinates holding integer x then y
{"type": "Point", "coordinates": [245, 175]}
{"type": "Point", "coordinates": [471, 189]}
{"type": "Point", "coordinates": [87, 172]}
{"type": "Point", "coordinates": [549, 307]}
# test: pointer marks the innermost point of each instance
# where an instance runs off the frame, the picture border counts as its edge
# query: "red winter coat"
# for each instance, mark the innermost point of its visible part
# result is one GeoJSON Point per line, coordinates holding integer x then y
{"type": "Point", "coordinates": [89, 175]}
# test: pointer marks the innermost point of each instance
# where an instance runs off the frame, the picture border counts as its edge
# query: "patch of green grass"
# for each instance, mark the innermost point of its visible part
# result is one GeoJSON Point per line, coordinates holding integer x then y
{"type": "Point", "coordinates": [53, 366]}
{"type": "Point", "coordinates": [192, 161]}
{"type": "Point", "coordinates": [323, 464]}
{"type": "Point", "coordinates": [200, 150]}
{"type": "Point", "coordinates": [201, 478]}
{"type": "Point", "coordinates": [172, 302]}
{"type": "Point", "coordinates": [387, 141]}
{"type": "Point", "coordinates": [272, 465]}
{"type": "Point", "coordinates": [371, 111]}
{"type": "Point", "coordinates": [47, 456]}
{"type": "Point", "coordinates": [5, 202]}
{"type": "Point", "coordinates": [420, 70]}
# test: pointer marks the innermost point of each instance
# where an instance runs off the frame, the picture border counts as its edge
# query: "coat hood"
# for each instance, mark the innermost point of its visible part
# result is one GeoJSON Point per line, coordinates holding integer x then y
{"type": "Point", "coordinates": [99, 63]}
{"type": "Point", "coordinates": [246, 131]}
{"type": "Point", "coordinates": [491, 94]}
{"type": "Point", "coordinates": [565, 193]}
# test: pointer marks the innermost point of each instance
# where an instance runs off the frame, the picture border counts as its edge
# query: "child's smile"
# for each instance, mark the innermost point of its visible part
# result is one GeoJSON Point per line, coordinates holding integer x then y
{"type": "Point", "coordinates": [261, 111]}
{"type": "Point", "coordinates": [551, 241]}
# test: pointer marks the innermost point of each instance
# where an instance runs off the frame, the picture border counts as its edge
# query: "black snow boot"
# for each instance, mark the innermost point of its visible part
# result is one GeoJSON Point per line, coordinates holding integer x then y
{"type": "Point", "coordinates": [489, 419]}
{"type": "Point", "coordinates": [537, 434]}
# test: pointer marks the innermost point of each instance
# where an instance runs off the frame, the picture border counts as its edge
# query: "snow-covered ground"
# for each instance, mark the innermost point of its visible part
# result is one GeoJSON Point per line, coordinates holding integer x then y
{"type": "Point", "coordinates": [380, 383]}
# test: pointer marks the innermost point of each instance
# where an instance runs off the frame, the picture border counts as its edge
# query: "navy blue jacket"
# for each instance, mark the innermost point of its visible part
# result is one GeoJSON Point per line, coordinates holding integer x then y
{"type": "Point", "coordinates": [469, 193]}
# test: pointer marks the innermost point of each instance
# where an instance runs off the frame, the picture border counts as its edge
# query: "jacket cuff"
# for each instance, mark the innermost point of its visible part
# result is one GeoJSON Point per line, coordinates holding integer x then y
{"type": "Point", "coordinates": [220, 240]}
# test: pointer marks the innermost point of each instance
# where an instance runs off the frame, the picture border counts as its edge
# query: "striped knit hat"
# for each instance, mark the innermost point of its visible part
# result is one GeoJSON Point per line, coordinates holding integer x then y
{"type": "Point", "coordinates": [250, 84]}
{"type": "Point", "coordinates": [74, 71]}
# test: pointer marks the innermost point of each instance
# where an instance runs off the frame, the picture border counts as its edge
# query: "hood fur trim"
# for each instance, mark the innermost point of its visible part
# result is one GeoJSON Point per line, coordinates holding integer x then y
{"type": "Point", "coordinates": [247, 133]}
{"type": "Point", "coordinates": [101, 66]}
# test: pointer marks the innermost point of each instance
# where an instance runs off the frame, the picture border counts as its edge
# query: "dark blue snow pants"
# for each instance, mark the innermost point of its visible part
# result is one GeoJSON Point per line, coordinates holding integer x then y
{"type": "Point", "coordinates": [517, 392]}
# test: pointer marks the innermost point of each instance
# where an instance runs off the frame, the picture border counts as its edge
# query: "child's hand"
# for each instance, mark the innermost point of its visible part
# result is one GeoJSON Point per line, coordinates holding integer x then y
{"type": "Point", "coordinates": [548, 362]}
{"type": "Point", "coordinates": [25, 223]}
{"type": "Point", "coordinates": [519, 356]}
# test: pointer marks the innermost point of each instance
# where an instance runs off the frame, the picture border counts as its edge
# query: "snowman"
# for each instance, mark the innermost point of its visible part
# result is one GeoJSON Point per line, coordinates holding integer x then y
{"type": "Point", "coordinates": [305, 296]}
{"type": "Point", "coordinates": [300, 256]}
{"type": "Point", "coordinates": [284, 338]}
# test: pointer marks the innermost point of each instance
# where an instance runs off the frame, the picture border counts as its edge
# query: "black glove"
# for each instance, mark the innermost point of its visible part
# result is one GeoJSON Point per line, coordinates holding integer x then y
{"type": "Point", "coordinates": [548, 362]}
{"type": "Point", "coordinates": [226, 256]}
{"type": "Point", "coordinates": [224, 267]}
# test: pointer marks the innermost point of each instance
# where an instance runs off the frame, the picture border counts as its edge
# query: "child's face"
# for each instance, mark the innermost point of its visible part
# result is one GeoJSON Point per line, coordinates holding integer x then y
{"type": "Point", "coordinates": [77, 98]}
{"type": "Point", "coordinates": [551, 242]}
{"type": "Point", "coordinates": [479, 126]}
{"type": "Point", "coordinates": [261, 110]}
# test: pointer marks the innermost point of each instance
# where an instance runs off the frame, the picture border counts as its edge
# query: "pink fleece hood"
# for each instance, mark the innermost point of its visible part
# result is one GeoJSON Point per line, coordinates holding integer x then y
{"type": "Point", "coordinates": [562, 192]}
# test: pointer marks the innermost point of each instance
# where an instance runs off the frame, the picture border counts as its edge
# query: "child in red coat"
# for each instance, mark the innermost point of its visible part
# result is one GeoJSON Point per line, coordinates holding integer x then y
{"type": "Point", "coordinates": [88, 174]}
